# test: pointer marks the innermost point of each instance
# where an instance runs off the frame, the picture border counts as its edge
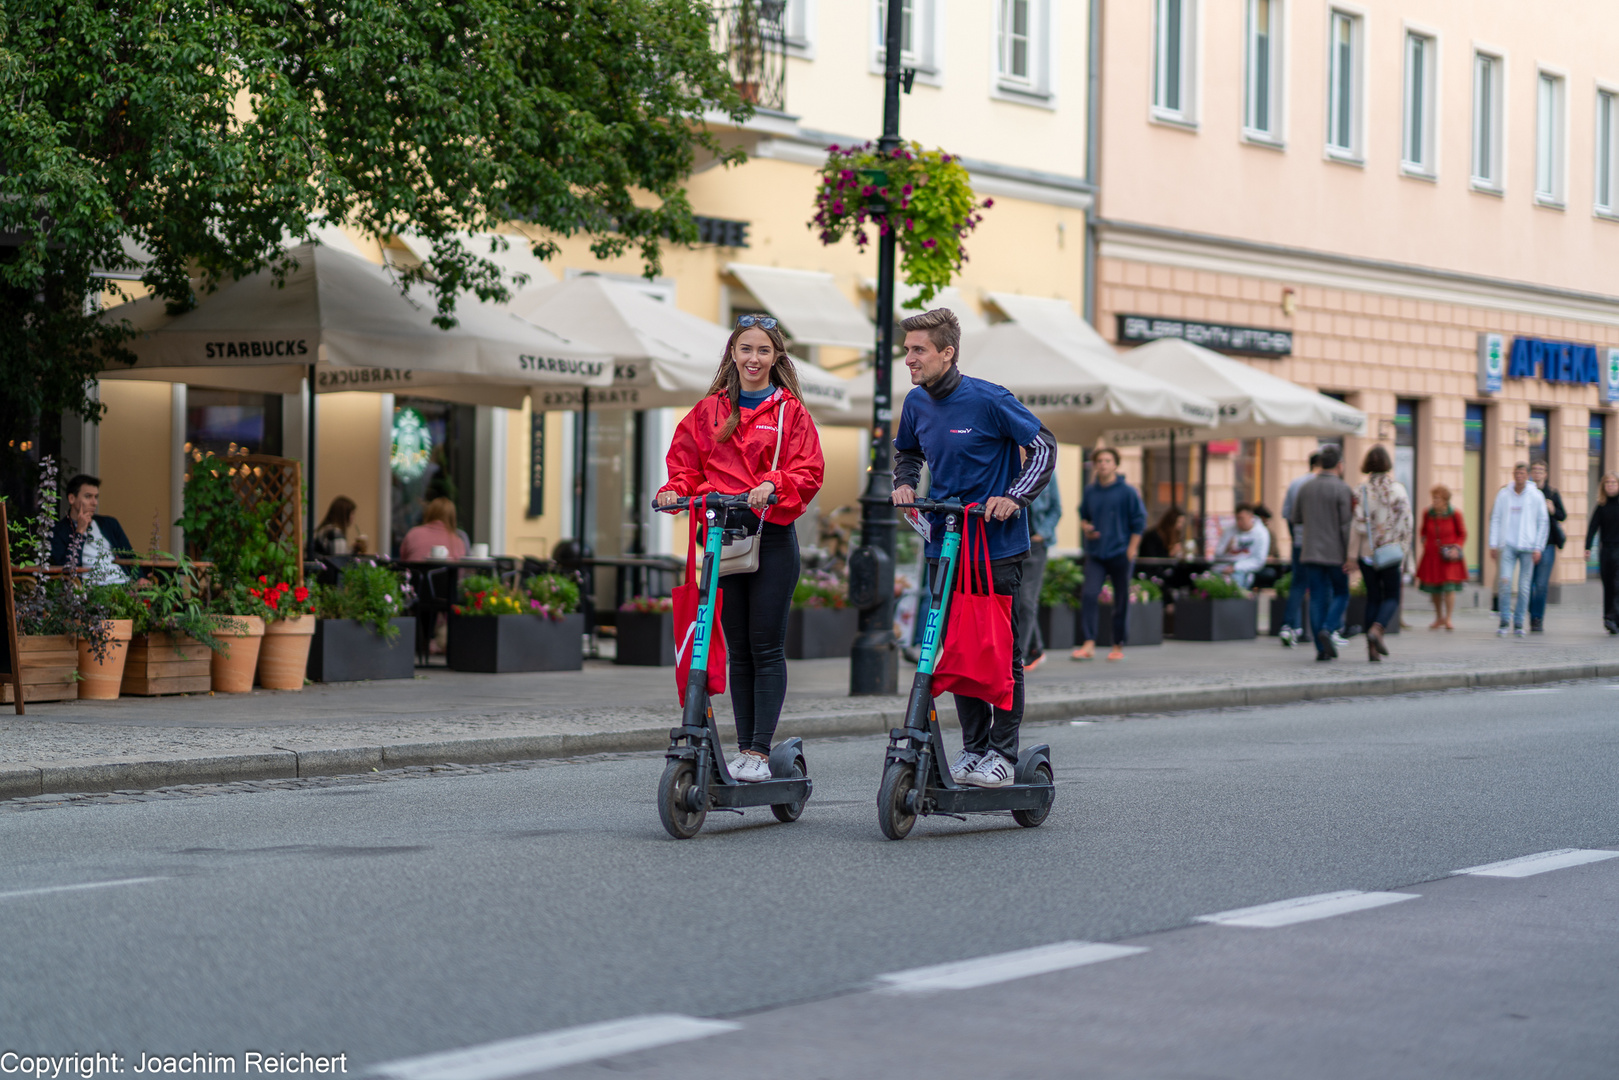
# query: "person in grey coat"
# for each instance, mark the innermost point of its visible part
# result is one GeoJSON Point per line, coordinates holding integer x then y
{"type": "Point", "coordinates": [1324, 508]}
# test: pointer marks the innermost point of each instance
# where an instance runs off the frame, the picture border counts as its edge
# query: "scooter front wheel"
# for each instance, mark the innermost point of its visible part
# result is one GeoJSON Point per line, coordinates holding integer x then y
{"type": "Point", "coordinates": [893, 816]}
{"type": "Point", "coordinates": [681, 822]}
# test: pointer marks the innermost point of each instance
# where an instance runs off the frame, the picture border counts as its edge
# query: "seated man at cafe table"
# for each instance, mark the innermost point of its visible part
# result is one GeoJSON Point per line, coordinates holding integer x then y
{"type": "Point", "coordinates": [102, 538]}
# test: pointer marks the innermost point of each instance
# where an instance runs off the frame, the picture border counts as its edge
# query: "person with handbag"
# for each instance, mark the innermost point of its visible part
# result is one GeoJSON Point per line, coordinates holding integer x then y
{"type": "Point", "coordinates": [1383, 534]}
{"type": "Point", "coordinates": [1443, 569]}
{"type": "Point", "coordinates": [752, 434]}
{"type": "Point", "coordinates": [981, 445]}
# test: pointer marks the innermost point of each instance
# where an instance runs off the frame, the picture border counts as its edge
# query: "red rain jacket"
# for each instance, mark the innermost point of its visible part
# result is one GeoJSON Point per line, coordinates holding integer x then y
{"type": "Point", "coordinates": [698, 463]}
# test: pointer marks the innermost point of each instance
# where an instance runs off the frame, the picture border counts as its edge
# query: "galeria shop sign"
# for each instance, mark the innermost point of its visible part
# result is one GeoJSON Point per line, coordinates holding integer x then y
{"type": "Point", "coordinates": [1554, 361]}
{"type": "Point", "coordinates": [1239, 340]}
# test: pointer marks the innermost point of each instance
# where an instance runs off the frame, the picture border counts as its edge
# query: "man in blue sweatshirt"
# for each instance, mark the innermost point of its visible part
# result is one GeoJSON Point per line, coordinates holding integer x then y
{"type": "Point", "coordinates": [1112, 518]}
{"type": "Point", "coordinates": [981, 446]}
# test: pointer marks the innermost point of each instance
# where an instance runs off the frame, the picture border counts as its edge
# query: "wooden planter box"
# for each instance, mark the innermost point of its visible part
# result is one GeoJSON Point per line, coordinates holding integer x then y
{"type": "Point", "coordinates": [167, 664]}
{"type": "Point", "coordinates": [345, 650]}
{"type": "Point", "coordinates": [502, 643]}
{"type": "Point", "coordinates": [646, 640]}
{"type": "Point", "coordinates": [1144, 621]}
{"type": "Point", "coordinates": [821, 633]}
{"type": "Point", "coordinates": [1216, 620]}
{"type": "Point", "coordinates": [49, 665]}
{"type": "Point", "coordinates": [1059, 626]}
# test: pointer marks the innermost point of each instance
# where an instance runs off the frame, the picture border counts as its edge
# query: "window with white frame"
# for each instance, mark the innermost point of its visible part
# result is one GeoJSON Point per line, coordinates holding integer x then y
{"type": "Point", "coordinates": [798, 21]}
{"type": "Point", "coordinates": [1174, 49]}
{"type": "Point", "coordinates": [1607, 152]}
{"type": "Point", "coordinates": [1549, 114]}
{"type": "Point", "coordinates": [1344, 77]}
{"type": "Point", "coordinates": [1487, 120]}
{"type": "Point", "coordinates": [1262, 83]}
{"type": "Point", "coordinates": [918, 48]}
{"type": "Point", "coordinates": [1022, 33]}
{"type": "Point", "coordinates": [1419, 113]}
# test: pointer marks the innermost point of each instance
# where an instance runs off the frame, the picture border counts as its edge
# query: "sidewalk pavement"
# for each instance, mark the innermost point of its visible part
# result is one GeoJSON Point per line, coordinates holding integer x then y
{"type": "Point", "coordinates": [443, 716]}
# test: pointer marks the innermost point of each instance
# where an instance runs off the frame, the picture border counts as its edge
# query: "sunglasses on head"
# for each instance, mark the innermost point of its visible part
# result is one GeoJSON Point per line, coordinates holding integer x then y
{"type": "Point", "coordinates": [763, 322]}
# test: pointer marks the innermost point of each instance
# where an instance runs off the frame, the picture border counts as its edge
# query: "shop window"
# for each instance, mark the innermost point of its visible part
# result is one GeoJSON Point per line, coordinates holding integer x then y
{"type": "Point", "coordinates": [1405, 445]}
{"type": "Point", "coordinates": [431, 456]}
{"type": "Point", "coordinates": [1473, 498]}
{"type": "Point", "coordinates": [1022, 33]}
{"type": "Point", "coordinates": [1596, 449]}
{"type": "Point", "coordinates": [1607, 153]}
{"type": "Point", "coordinates": [1487, 127]}
{"type": "Point", "coordinates": [1539, 445]}
{"type": "Point", "coordinates": [1420, 112]}
{"type": "Point", "coordinates": [218, 419]}
{"type": "Point", "coordinates": [1344, 79]}
{"type": "Point", "coordinates": [1248, 472]}
{"type": "Point", "coordinates": [1549, 139]}
{"type": "Point", "coordinates": [1174, 52]}
{"type": "Point", "coordinates": [1262, 85]}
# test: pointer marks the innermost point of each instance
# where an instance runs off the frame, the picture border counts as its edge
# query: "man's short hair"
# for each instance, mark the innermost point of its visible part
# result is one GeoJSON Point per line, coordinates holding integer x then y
{"type": "Point", "coordinates": [1524, 465]}
{"type": "Point", "coordinates": [943, 328]}
{"type": "Point", "coordinates": [1315, 460]}
{"type": "Point", "coordinates": [80, 480]}
{"type": "Point", "coordinates": [1330, 456]}
{"type": "Point", "coordinates": [1109, 451]}
{"type": "Point", "coordinates": [1245, 508]}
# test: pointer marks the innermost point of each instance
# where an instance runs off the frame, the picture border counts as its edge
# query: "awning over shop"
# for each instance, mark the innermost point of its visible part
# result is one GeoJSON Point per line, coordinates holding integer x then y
{"type": "Point", "coordinates": [1049, 318]}
{"type": "Point", "coordinates": [1254, 404]}
{"type": "Point", "coordinates": [809, 305]}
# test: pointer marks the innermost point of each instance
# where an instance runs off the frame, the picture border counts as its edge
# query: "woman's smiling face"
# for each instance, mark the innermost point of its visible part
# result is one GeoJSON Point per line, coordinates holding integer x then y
{"type": "Point", "coordinates": [754, 356]}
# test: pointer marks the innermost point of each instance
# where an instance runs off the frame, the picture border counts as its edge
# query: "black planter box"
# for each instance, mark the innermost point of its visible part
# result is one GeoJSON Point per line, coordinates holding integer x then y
{"type": "Point", "coordinates": [1231, 619]}
{"type": "Point", "coordinates": [502, 643]}
{"type": "Point", "coordinates": [646, 639]}
{"type": "Point", "coordinates": [1144, 622]}
{"type": "Point", "coordinates": [1059, 626]}
{"type": "Point", "coordinates": [347, 651]}
{"type": "Point", "coordinates": [821, 633]}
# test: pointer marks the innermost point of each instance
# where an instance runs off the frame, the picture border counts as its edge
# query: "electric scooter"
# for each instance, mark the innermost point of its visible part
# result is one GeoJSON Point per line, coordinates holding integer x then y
{"type": "Point", "coordinates": [696, 779]}
{"type": "Point", "coordinates": [916, 777]}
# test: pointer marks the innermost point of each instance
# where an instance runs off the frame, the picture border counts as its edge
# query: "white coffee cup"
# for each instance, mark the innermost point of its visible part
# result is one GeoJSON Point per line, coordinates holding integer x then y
{"type": "Point", "coordinates": [439, 552]}
{"type": "Point", "coordinates": [480, 551]}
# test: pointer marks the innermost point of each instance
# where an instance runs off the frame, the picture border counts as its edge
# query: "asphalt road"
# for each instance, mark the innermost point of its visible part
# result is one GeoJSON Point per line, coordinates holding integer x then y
{"type": "Point", "coordinates": [390, 920]}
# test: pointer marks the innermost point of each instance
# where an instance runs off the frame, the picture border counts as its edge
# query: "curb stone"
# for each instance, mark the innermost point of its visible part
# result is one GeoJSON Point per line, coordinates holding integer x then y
{"type": "Point", "coordinates": [284, 763]}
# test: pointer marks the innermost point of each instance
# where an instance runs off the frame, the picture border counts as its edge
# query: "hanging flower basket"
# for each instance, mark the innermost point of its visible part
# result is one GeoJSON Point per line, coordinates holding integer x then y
{"type": "Point", "coordinates": [924, 196]}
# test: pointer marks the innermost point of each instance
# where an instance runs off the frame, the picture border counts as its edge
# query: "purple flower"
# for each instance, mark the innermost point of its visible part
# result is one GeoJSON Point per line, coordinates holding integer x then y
{"type": "Point", "coordinates": [910, 226]}
{"type": "Point", "coordinates": [930, 243]}
{"type": "Point", "coordinates": [906, 190]}
{"type": "Point", "coordinates": [988, 203]}
{"type": "Point", "coordinates": [867, 190]}
{"type": "Point", "coordinates": [837, 206]}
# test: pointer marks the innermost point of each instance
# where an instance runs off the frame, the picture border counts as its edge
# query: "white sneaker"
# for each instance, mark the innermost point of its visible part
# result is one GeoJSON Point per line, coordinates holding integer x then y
{"type": "Point", "coordinates": [1287, 635]}
{"type": "Point", "coordinates": [1521, 632]}
{"type": "Point", "coordinates": [751, 769]}
{"type": "Point", "coordinates": [992, 770]}
{"type": "Point", "coordinates": [1339, 640]}
{"type": "Point", "coordinates": [963, 765]}
{"type": "Point", "coordinates": [1505, 631]}
{"type": "Point", "coordinates": [737, 764]}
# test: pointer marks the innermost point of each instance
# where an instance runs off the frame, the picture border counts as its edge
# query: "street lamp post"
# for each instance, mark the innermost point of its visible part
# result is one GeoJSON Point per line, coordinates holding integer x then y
{"type": "Point", "coordinates": [874, 660]}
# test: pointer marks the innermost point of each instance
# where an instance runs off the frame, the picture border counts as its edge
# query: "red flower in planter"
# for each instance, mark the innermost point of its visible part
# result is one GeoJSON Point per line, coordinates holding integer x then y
{"type": "Point", "coordinates": [300, 594]}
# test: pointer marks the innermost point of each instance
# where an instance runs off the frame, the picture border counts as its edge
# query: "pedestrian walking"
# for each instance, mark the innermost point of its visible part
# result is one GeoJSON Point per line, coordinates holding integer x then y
{"type": "Point", "coordinates": [1292, 630]}
{"type": "Point", "coordinates": [981, 446]}
{"type": "Point", "coordinates": [1443, 569]}
{"type": "Point", "coordinates": [1243, 548]}
{"type": "Point", "coordinates": [1112, 518]}
{"type": "Point", "coordinates": [1044, 514]}
{"type": "Point", "coordinates": [1323, 508]}
{"type": "Point", "coordinates": [1383, 536]}
{"type": "Point", "coordinates": [1604, 526]}
{"type": "Point", "coordinates": [1555, 539]}
{"type": "Point", "coordinates": [1519, 526]}
{"type": "Point", "coordinates": [753, 435]}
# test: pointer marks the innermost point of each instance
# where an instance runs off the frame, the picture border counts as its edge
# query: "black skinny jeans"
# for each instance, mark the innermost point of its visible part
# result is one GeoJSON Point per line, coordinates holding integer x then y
{"type": "Point", "coordinates": [1608, 565]}
{"type": "Point", "coordinates": [1382, 593]}
{"type": "Point", "coordinates": [755, 620]}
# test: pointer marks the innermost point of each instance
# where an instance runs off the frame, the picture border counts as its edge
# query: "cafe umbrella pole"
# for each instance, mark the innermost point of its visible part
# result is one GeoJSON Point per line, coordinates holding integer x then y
{"type": "Point", "coordinates": [874, 658]}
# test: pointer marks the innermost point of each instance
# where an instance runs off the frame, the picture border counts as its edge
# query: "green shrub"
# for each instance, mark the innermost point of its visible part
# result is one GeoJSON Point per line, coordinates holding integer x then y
{"type": "Point", "coordinates": [1062, 583]}
{"type": "Point", "coordinates": [1284, 585]}
{"type": "Point", "coordinates": [367, 593]}
{"type": "Point", "coordinates": [1215, 587]}
{"type": "Point", "coordinates": [557, 593]}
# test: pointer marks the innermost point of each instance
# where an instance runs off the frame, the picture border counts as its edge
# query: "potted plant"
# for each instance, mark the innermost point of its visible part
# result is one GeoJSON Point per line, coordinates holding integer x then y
{"type": "Point", "coordinates": [554, 598]}
{"type": "Point", "coordinates": [288, 632]}
{"type": "Point", "coordinates": [646, 632]}
{"type": "Point", "coordinates": [361, 631]}
{"type": "Point", "coordinates": [47, 640]}
{"type": "Point", "coordinates": [1144, 620]}
{"type": "Point", "coordinates": [1216, 609]}
{"type": "Point", "coordinates": [104, 652]}
{"type": "Point", "coordinates": [820, 623]}
{"type": "Point", "coordinates": [239, 624]}
{"type": "Point", "coordinates": [173, 642]}
{"type": "Point", "coordinates": [1058, 613]}
{"type": "Point", "coordinates": [496, 629]}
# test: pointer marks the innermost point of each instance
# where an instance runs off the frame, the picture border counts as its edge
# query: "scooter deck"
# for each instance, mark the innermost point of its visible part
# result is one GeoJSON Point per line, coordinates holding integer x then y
{"type": "Point", "coordinates": [976, 800]}
{"type": "Point", "coordinates": [763, 793]}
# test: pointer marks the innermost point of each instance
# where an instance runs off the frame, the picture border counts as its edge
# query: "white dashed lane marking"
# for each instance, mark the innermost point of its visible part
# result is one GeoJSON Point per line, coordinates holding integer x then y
{"type": "Point", "coordinates": [554, 1049]}
{"type": "Point", "coordinates": [20, 893]}
{"type": "Point", "coordinates": [1304, 909]}
{"type": "Point", "coordinates": [1004, 967]}
{"type": "Point", "coordinates": [1530, 865]}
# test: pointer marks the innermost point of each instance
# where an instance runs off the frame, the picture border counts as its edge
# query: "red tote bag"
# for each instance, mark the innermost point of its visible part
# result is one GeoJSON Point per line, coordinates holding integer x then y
{"type": "Point", "coordinates": [687, 599]}
{"type": "Point", "coordinates": [975, 659]}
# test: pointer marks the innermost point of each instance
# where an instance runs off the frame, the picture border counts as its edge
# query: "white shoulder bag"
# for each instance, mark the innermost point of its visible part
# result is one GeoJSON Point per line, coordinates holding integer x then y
{"type": "Point", "coordinates": [742, 556]}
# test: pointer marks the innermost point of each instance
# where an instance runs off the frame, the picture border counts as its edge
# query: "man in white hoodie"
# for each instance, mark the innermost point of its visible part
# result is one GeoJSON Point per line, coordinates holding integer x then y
{"type": "Point", "coordinates": [1518, 530]}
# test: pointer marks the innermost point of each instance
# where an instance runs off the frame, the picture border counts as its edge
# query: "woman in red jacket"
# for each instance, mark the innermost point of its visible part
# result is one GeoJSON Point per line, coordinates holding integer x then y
{"type": "Point", "coordinates": [728, 444]}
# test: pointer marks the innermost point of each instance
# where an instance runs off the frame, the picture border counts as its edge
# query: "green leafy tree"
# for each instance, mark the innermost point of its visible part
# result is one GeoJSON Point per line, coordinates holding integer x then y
{"type": "Point", "coordinates": [208, 134]}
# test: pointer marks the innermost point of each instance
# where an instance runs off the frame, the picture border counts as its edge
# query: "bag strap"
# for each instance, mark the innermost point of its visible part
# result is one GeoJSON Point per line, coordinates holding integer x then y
{"type": "Point", "coordinates": [775, 462]}
{"type": "Point", "coordinates": [691, 547]}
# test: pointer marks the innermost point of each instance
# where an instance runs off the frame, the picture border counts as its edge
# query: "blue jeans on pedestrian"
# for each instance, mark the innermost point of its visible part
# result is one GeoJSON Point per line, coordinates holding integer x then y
{"type": "Point", "coordinates": [1329, 595]}
{"type": "Point", "coordinates": [1294, 615]}
{"type": "Point", "coordinates": [1541, 584]}
{"type": "Point", "coordinates": [1523, 561]}
{"type": "Point", "coordinates": [1098, 572]}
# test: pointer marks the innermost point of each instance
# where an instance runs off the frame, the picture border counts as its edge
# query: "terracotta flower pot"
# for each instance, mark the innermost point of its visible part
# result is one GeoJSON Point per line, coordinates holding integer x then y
{"type": "Point", "coordinates": [99, 680]}
{"type": "Point", "coordinates": [233, 673]}
{"type": "Point", "coordinates": [284, 653]}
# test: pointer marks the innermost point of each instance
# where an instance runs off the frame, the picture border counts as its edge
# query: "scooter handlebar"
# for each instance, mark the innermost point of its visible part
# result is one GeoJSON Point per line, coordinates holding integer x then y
{"type": "Point", "coordinates": [937, 506]}
{"type": "Point", "coordinates": [712, 499]}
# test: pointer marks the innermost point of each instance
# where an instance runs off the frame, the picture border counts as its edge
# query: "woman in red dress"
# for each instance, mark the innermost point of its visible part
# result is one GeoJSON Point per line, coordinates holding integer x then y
{"type": "Point", "coordinates": [1443, 569]}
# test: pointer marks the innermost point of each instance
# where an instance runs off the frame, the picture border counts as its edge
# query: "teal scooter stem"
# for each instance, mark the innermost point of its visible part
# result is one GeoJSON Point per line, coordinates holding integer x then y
{"type": "Point", "coordinates": [695, 779]}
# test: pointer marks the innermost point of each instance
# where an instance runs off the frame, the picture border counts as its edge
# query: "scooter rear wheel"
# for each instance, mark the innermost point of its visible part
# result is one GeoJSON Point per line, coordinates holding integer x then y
{"type": "Point", "coordinates": [788, 812]}
{"type": "Point", "coordinates": [681, 822]}
{"type": "Point", "coordinates": [893, 817]}
{"type": "Point", "coordinates": [1036, 816]}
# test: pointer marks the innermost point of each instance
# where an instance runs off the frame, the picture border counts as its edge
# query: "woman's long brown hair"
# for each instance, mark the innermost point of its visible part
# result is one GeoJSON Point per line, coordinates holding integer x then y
{"type": "Point", "coordinates": [729, 380]}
